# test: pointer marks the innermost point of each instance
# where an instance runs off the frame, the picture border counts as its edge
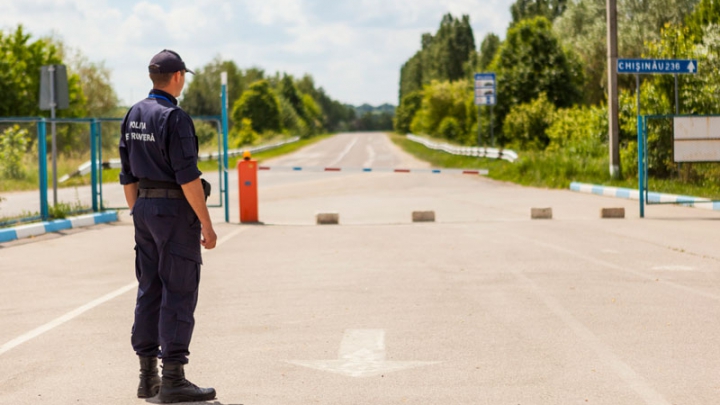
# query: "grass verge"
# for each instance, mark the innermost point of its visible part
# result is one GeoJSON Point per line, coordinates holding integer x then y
{"type": "Point", "coordinates": [552, 170]}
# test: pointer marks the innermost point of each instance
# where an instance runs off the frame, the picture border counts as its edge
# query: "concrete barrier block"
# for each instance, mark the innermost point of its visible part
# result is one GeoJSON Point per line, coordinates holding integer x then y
{"type": "Point", "coordinates": [423, 216]}
{"type": "Point", "coordinates": [541, 213]}
{"type": "Point", "coordinates": [612, 213]}
{"type": "Point", "coordinates": [328, 218]}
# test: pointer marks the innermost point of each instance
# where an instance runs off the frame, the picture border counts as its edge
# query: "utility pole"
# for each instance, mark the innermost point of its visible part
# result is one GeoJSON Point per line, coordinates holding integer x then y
{"type": "Point", "coordinates": [614, 126]}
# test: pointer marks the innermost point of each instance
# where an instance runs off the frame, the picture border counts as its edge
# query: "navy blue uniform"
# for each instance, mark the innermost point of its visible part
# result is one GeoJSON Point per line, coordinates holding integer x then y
{"type": "Point", "coordinates": [158, 146]}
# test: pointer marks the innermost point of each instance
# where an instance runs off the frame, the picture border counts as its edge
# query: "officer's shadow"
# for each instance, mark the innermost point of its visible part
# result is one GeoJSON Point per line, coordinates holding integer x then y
{"type": "Point", "coordinates": [155, 400]}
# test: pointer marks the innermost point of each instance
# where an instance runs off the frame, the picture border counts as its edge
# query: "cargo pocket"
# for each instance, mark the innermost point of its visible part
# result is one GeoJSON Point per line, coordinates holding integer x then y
{"type": "Point", "coordinates": [138, 272]}
{"type": "Point", "coordinates": [183, 272]}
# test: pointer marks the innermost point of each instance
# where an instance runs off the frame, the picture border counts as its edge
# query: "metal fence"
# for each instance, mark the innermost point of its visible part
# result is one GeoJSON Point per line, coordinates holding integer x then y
{"type": "Point", "coordinates": [491, 153]}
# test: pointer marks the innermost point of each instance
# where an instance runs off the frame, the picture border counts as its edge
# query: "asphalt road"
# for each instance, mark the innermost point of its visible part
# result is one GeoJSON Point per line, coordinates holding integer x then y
{"type": "Point", "coordinates": [484, 306]}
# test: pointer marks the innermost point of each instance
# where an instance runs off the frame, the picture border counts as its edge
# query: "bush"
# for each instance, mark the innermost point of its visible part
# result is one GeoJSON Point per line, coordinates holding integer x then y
{"type": "Point", "coordinates": [526, 124]}
{"type": "Point", "coordinates": [579, 131]}
{"type": "Point", "coordinates": [442, 100]}
{"type": "Point", "coordinates": [450, 129]}
{"type": "Point", "coordinates": [206, 133]}
{"type": "Point", "coordinates": [245, 135]}
{"type": "Point", "coordinates": [13, 146]}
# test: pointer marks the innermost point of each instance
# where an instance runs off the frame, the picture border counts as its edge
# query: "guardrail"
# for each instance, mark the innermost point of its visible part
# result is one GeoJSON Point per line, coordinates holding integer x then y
{"type": "Point", "coordinates": [491, 153]}
{"type": "Point", "coordinates": [86, 167]}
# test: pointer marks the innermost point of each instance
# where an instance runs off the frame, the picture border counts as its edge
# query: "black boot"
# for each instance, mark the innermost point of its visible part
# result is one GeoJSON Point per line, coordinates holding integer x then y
{"type": "Point", "coordinates": [175, 388]}
{"type": "Point", "coordinates": [149, 378]}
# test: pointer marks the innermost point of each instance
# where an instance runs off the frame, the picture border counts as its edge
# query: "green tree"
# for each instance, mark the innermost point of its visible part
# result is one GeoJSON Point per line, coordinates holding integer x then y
{"type": "Point", "coordinates": [442, 100]}
{"type": "Point", "coordinates": [447, 55]}
{"type": "Point", "coordinates": [531, 61]}
{"type": "Point", "coordinates": [488, 48]}
{"type": "Point", "coordinates": [406, 111]}
{"type": "Point", "coordinates": [95, 81]}
{"type": "Point", "coordinates": [260, 104]}
{"type": "Point", "coordinates": [705, 13]}
{"type": "Point", "coordinates": [290, 93]}
{"type": "Point", "coordinates": [313, 115]}
{"type": "Point", "coordinates": [202, 95]}
{"type": "Point", "coordinates": [525, 9]}
{"type": "Point", "coordinates": [20, 64]}
{"type": "Point", "coordinates": [411, 76]}
{"type": "Point", "coordinates": [582, 28]}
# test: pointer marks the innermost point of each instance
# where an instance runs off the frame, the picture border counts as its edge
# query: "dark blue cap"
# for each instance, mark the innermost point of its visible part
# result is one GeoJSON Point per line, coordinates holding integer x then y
{"type": "Point", "coordinates": [167, 61]}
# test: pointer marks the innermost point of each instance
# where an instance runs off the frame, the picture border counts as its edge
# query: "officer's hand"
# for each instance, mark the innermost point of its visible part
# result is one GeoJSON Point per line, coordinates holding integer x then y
{"type": "Point", "coordinates": [209, 238]}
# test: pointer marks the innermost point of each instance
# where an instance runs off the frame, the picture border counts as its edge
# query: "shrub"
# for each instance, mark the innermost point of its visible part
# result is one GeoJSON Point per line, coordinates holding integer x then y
{"type": "Point", "coordinates": [13, 146]}
{"type": "Point", "coordinates": [579, 131]}
{"type": "Point", "coordinates": [441, 100]}
{"type": "Point", "coordinates": [450, 129]}
{"type": "Point", "coordinates": [526, 124]}
{"type": "Point", "coordinates": [206, 133]}
{"type": "Point", "coordinates": [245, 135]}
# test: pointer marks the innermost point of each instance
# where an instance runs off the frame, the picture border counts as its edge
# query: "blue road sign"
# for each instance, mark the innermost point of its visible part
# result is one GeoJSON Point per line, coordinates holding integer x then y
{"type": "Point", "coordinates": [667, 66]}
{"type": "Point", "coordinates": [485, 92]}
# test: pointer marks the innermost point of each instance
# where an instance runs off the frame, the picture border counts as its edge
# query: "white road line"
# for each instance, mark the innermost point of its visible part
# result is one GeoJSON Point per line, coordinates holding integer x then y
{"type": "Point", "coordinates": [344, 152]}
{"type": "Point", "coordinates": [624, 371]}
{"type": "Point", "coordinates": [371, 156]}
{"type": "Point", "coordinates": [65, 318]}
{"type": "Point", "coordinates": [90, 305]}
{"type": "Point", "coordinates": [624, 269]}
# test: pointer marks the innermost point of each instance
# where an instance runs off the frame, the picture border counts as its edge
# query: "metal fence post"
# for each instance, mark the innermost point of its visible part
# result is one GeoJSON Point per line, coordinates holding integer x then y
{"type": "Point", "coordinates": [641, 165]}
{"type": "Point", "coordinates": [224, 102]}
{"type": "Point", "coordinates": [42, 168]}
{"type": "Point", "coordinates": [93, 165]}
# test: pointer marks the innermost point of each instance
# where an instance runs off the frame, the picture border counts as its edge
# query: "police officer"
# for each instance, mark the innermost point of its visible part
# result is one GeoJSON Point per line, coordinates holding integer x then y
{"type": "Point", "coordinates": [163, 189]}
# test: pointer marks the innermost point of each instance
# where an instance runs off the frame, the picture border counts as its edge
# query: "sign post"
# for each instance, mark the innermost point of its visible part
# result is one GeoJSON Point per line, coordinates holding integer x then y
{"type": "Point", "coordinates": [485, 94]}
{"type": "Point", "coordinates": [54, 95]}
{"type": "Point", "coordinates": [651, 66]}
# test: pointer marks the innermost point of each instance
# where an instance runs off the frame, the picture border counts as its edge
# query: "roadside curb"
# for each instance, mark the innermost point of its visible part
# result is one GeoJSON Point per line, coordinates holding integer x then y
{"type": "Point", "coordinates": [653, 197]}
{"type": "Point", "coordinates": [40, 228]}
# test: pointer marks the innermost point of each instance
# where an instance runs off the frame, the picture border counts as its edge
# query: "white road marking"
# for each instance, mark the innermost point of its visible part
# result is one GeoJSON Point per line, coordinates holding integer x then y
{"type": "Point", "coordinates": [624, 269]}
{"type": "Point", "coordinates": [90, 305]}
{"type": "Point", "coordinates": [362, 354]}
{"type": "Point", "coordinates": [371, 156]}
{"type": "Point", "coordinates": [674, 268]}
{"type": "Point", "coordinates": [344, 152]}
{"type": "Point", "coordinates": [624, 371]}
{"type": "Point", "coordinates": [65, 318]}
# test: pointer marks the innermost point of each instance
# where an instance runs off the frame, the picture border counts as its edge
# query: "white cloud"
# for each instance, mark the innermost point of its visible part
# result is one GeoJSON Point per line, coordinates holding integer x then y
{"type": "Point", "coordinates": [354, 49]}
{"type": "Point", "coordinates": [271, 12]}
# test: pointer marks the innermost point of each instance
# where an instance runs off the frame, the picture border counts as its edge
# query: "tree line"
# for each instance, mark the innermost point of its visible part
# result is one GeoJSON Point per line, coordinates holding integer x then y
{"type": "Point", "coordinates": [261, 105]}
{"type": "Point", "coordinates": [551, 70]}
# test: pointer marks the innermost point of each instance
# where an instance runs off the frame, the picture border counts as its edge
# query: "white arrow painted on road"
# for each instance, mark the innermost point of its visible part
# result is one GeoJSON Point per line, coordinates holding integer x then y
{"type": "Point", "coordinates": [691, 67]}
{"type": "Point", "coordinates": [362, 354]}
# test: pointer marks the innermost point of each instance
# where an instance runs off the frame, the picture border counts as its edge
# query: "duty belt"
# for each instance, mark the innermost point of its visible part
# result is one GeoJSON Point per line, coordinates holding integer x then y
{"type": "Point", "coordinates": [146, 183]}
{"type": "Point", "coordinates": [160, 193]}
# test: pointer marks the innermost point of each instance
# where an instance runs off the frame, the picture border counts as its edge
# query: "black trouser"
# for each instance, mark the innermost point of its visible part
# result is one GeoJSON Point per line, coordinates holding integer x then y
{"type": "Point", "coordinates": [167, 266]}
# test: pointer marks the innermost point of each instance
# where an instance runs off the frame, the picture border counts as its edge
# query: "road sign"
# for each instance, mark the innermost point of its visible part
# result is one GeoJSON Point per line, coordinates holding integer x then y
{"type": "Point", "coordinates": [667, 66]}
{"type": "Point", "coordinates": [485, 91]}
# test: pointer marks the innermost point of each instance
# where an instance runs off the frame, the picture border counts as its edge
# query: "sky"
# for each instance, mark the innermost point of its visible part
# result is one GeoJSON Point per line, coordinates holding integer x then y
{"type": "Point", "coordinates": [353, 49]}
